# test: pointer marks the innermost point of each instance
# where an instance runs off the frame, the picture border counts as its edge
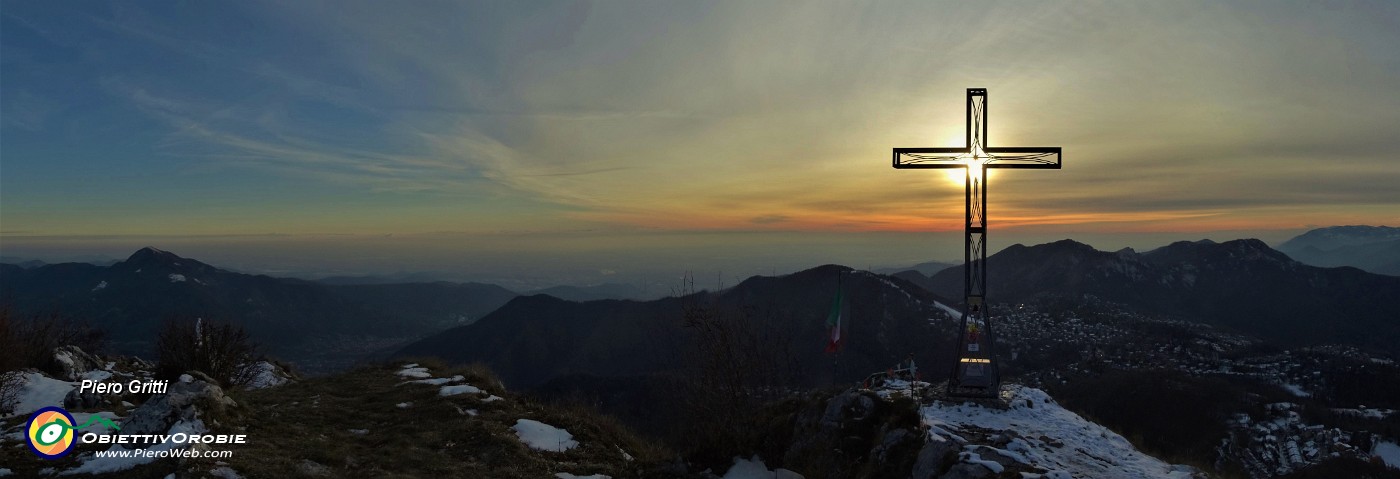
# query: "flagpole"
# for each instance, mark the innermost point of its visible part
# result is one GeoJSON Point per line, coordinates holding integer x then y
{"type": "Point", "coordinates": [835, 360]}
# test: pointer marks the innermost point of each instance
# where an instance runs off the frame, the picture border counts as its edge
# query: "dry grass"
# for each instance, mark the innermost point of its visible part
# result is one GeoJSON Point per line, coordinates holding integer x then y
{"type": "Point", "coordinates": [308, 427]}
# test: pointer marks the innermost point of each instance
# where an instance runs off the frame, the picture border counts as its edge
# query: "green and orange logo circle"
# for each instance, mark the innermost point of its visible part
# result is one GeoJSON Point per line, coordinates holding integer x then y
{"type": "Point", "coordinates": [50, 432]}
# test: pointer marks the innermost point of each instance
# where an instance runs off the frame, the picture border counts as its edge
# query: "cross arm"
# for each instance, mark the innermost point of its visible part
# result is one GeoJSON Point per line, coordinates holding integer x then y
{"type": "Point", "coordinates": [1033, 157]}
{"type": "Point", "coordinates": [918, 158]}
{"type": "Point", "coordinates": [1038, 157]}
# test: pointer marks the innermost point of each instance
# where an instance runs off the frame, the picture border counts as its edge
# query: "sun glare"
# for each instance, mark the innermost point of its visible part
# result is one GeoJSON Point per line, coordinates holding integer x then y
{"type": "Point", "coordinates": [958, 176]}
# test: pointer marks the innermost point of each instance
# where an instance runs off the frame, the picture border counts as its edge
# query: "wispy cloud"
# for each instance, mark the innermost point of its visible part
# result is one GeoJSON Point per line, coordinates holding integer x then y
{"type": "Point", "coordinates": [759, 116]}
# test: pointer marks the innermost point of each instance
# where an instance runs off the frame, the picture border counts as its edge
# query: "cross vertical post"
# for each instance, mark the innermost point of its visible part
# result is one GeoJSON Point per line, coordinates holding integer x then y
{"type": "Point", "coordinates": [974, 369]}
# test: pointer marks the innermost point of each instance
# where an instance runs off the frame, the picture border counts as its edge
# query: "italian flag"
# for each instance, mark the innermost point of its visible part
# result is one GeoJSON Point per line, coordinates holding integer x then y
{"type": "Point", "coordinates": [833, 322]}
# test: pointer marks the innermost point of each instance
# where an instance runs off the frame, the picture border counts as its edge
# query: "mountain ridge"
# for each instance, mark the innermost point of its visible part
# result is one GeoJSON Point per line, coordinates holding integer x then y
{"type": "Point", "coordinates": [297, 319]}
{"type": "Point", "coordinates": [1372, 248]}
{"type": "Point", "coordinates": [1242, 284]}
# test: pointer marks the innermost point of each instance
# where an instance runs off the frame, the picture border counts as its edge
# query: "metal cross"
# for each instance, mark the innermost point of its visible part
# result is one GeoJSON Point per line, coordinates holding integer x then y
{"type": "Point", "coordinates": [975, 372]}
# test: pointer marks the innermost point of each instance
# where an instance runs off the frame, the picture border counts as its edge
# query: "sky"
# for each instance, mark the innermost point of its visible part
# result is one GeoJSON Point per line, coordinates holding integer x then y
{"type": "Point", "coordinates": [583, 141]}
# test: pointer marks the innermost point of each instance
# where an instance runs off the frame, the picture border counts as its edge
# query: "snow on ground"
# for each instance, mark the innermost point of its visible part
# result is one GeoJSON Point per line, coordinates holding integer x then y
{"type": "Point", "coordinates": [91, 464]}
{"type": "Point", "coordinates": [100, 286]}
{"type": "Point", "coordinates": [40, 391]}
{"type": "Point", "coordinates": [414, 371]}
{"type": "Point", "coordinates": [1296, 390]}
{"type": "Point", "coordinates": [439, 381]}
{"type": "Point", "coordinates": [459, 389]}
{"type": "Point", "coordinates": [542, 436]}
{"type": "Point", "coordinates": [756, 469]}
{"type": "Point", "coordinates": [565, 475]}
{"type": "Point", "coordinates": [177, 278]}
{"type": "Point", "coordinates": [265, 376]}
{"type": "Point", "coordinates": [96, 375]}
{"type": "Point", "coordinates": [1050, 438]}
{"type": "Point", "coordinates": [404, 405]}
{"type": "Point", "coordinates": [948, 309]}
{"type": "Point", "coordinates": [1388, 452]}
{"type": "Point", "coordinates": [5, 471]}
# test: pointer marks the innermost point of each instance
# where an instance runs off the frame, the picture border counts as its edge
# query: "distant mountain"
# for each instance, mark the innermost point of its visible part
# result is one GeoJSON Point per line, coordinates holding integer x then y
{"type": "Point", "coordinates": [397, 278]}
{"type": "Point", "coordinates": [533, 339]}
{"type": "Point", "coordinates": [1240, 284]}
{"type": "Point", "coordinates": [598, 292]}
{"type": "Point", "coordinates": [35, 263]}
{"type": "Point", "coordinates": [927, 269]}
{"type": "Point", "coordinates": [1371, 248]}
{"type": "Point", "coordinates": [294, 319]}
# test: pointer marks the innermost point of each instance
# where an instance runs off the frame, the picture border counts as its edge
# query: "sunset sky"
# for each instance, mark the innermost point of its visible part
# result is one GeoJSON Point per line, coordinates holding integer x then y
{"type": "Point", "coordinates": [612, 137]}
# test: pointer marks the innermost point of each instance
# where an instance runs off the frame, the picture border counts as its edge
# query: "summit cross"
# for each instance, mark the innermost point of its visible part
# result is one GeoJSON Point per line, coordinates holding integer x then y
{"type": "Point", "coordinates": [975, 372]}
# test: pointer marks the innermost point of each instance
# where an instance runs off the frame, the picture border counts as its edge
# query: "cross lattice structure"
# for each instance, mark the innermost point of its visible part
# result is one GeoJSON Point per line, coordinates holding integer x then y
{"type": "Point", "coordinates": [974, 368]}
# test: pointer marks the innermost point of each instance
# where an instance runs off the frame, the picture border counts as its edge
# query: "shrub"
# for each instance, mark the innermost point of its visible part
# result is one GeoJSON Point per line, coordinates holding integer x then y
{"type": "Point", "coordinates": [30, 342]}
{"type": "Point", "coordinates": [741, 361]}
{"type": "Point", "coordinates": [220, 350]}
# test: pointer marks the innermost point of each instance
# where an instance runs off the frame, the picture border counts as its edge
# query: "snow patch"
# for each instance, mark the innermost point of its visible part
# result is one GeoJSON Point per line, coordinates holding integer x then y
{"type": "Point", "coordinates": [414, 372]}
{"type": "Point", "coordinates": [974, 458]}
{"type": "Point", "coordinates": [439, 381]}
{"type": "Point", "coordinates": [948, 309]}
{"type": "Point", "coordinates": [1388, 452]}
{"type": "Point", "coordinates": [459, 389]}
{"type": "Point", "coordinates": [100, 286]}
{"type": "Point", "coordinates": [1296, 390]}
{"type": "Point", "coordinates": [177, 278]}
{"type": "Point", "coordinates": [755, 469]}
{"type": "Point", "coordinates": [39, 391]}
{"type": "Point", "coordinates": [91, 464]}
{"type": "Point", "coordinates": [1074, 445]}
{"type": "Point", "coordinates": [266, 375]}
{"type": "Point", "coordinates": [543, 437]}
{"type": "Point", "coordinates": [404, 405]}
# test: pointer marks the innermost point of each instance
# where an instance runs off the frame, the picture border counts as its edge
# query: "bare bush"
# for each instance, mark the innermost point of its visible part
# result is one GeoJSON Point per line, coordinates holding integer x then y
{"type": "Point", "coordinates": [741, 360]}
{"type": "Point", "coordinates": [30, 342]}
{"type": "Point", "coordinates": [222, 351]}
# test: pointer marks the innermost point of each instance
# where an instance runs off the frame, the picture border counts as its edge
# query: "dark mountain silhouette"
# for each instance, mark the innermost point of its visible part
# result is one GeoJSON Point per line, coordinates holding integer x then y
{"type": "Point", "coordinates": [1240, 284]}
{"type": "Point", "coordinates": [597, 292]}
{"type": "Point", "coordinates": [130, 300]}
{"type": "Point", "coordinates": [927, 269]}
{"type": "Point", "coordinates": [533, 339]}
{"type": "Point", "coordinates": [1371, 248]}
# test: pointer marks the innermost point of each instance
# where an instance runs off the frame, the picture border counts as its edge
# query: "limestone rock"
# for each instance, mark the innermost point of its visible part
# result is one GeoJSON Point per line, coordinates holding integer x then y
{"type": "Point", "coordinates": [931, 458]}
{"type": "Point", "coordinates": [75, 362]}
{"type": "Point", "coordinates": [185, 401]}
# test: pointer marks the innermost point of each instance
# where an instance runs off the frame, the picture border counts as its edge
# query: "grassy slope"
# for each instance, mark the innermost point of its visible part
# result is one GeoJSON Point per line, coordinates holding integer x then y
{"type": "Point", "coordinates": [304, 430]}
{"type": "Point", "coordinates": [312, 421]}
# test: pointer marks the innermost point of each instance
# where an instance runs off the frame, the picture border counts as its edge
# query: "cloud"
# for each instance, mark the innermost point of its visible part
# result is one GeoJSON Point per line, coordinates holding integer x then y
{"type": "Point", "coordinates": [768, 219]}
{"type": "Point", "coordinates": [742, 115]}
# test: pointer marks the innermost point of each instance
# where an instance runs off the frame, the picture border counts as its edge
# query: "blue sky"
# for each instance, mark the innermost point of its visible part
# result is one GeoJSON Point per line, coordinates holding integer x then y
{"type": "Point", "coordinates": [574, 130]}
